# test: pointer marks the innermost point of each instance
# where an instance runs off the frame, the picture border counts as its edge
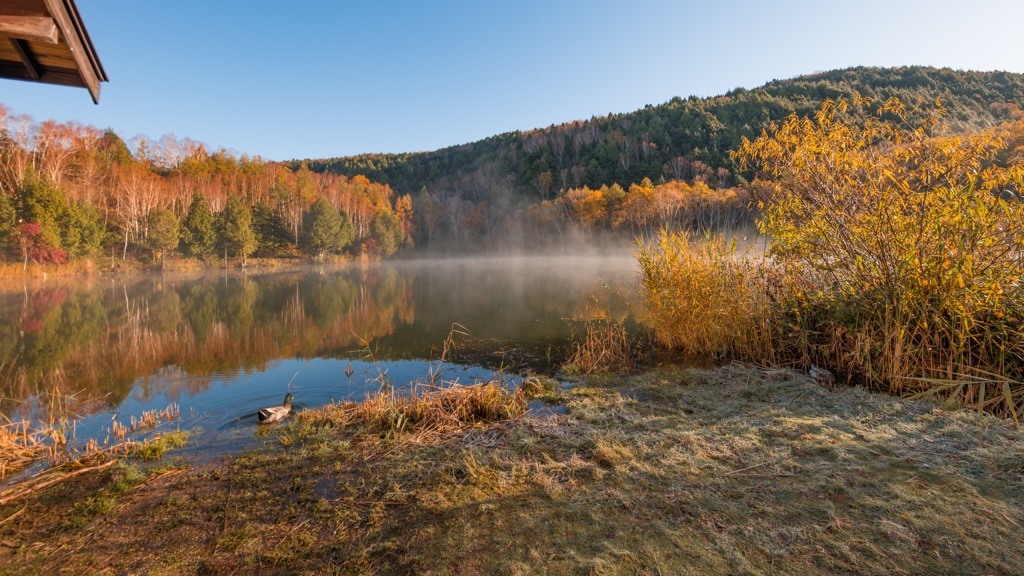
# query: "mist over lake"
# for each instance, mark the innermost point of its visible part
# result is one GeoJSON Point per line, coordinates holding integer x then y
{"type": "Point", "coordinates": [221, 345]}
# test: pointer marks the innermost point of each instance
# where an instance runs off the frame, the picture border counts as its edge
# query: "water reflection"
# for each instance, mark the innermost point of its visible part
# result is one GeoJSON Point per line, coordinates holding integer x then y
{"type": "Point", "coordinates": [220, 343]}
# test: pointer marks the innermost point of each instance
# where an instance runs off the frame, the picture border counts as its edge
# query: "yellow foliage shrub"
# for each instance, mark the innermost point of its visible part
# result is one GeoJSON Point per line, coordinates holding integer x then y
{"type": "Point", "coordinates": [912, 242]}
{"type": "Point", "coordinates": [896, 258]}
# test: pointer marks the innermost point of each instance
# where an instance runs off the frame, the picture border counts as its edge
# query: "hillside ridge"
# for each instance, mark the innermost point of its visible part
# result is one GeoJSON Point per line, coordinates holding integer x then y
{"type": "Point", "coordinates": [678, 139]}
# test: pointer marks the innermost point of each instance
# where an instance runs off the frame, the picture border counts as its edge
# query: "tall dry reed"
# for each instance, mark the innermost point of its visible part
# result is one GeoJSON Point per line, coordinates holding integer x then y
{"type": "Point", "coordinates": [603, 346]}
{"type": "Point", "coordinates": [702, 297]}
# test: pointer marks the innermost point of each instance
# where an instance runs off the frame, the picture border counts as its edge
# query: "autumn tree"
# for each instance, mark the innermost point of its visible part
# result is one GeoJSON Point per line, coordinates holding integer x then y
{"type": "Point", "coordinates": [637, 210]}
{"type": "Point", "coordinates": [614, 196]}
{"type": "Point", "coordinates": [137, 191]}
{"type": "Point", "coordinates": [55, 145]}
{"type": "Point", "coordinates": [584, 207]}
{"type": "Point", "coordinates": [404, 214]}
{"type": "Point", "coordinates": [34, 246]}
{"type": "Point", "coordinates": [669, 203]}
{"type": "Point", "coordinates": [542, 182]}
{"type": "Point", "coordinates": [305, 191]}
{"type": "Point", "coordinates": [16, 158]}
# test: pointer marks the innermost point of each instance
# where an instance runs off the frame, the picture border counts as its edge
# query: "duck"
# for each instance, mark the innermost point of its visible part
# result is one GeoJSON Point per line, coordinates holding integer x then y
{"type": "Point", "coordinates": [275, 413]}
{"type": "Point", "coordinates": [821, 375]}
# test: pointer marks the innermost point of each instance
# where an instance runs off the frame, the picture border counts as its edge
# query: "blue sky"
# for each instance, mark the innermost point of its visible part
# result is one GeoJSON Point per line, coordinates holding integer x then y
{"type": "Point", "coordinates": [310, 79]}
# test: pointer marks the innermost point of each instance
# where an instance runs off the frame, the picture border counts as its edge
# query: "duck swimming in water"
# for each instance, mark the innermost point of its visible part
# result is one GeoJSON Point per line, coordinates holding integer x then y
{"type": "Point", "coordinates": [275, 413]}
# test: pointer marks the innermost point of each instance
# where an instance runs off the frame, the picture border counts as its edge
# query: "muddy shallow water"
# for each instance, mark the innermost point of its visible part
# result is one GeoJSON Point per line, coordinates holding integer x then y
{"type": "Point", "coordinates": [221, 345]}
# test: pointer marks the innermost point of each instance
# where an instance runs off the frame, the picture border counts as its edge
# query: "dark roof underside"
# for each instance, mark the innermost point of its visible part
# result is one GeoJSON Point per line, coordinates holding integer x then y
{"type": "Point", "coordinates": [46, 41]}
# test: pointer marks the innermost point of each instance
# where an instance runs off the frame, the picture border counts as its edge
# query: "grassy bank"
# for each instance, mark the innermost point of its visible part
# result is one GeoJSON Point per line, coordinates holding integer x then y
{"type": "Point", "coordinates": [729, 470]}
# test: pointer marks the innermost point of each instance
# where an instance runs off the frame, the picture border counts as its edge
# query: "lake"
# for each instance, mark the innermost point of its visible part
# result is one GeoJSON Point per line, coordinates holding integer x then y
{"type": "Point", "coordinates": [223, 344]}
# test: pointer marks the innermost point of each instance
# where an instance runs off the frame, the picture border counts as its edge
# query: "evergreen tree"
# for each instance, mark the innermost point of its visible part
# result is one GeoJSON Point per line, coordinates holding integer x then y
{"type": "Point", "coordinates": [322, 230]}
{"type": "Point", "coordinates": [39, 202]}
{"type": "Point", "coordinates": [387, 231]}
{"type": "Point", "coordinates": [114, 148]}
{"type": "Point", "coordinates": [8, 219]}
{"type": "Point", "coordinates": [235, 231]}
{"type": "Point", "coordinates": [81, 229]}
{"type": "Point", "coordinates": [70, 226]}
{"type": "Point", "coordinates": [197, 230]}
{"type": "Point", "coordinates": [348, 230]}
{"type": "Point", "coordinates": [162, 232]}
{"type": "Point", "coordinates": [272, 234]}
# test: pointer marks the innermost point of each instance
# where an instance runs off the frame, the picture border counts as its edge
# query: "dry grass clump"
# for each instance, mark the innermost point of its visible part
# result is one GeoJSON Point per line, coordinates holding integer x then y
{"type": "Point", "coordinates": [80, 267]}
{"type": "Point", "coordinates": [148, 420]}
{"type": "Point", "coordinates": [701, 297]}
{"type": "Point", "coordinates": [66, 464]}
{"type": "Point", "coordinates": [21, 445]}
{"type": "Point", "coordinates": [427, 409]}
{"type": "Point", "coordinates": [603, 346]}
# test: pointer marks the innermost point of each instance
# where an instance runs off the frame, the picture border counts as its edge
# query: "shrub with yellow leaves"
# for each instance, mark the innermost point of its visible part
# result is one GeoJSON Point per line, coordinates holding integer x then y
{"type": "Point", "coordinates": [913, 240]}
{"type": "Point", "coordinates": [900, 248]}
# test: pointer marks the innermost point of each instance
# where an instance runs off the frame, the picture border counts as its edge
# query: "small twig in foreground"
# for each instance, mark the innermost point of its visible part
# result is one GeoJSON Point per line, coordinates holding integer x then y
{"type": "Point", "coordinates": [747, 468]}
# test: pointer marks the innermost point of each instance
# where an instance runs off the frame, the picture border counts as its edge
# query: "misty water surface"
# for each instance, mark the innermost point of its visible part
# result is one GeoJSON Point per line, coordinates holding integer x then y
{"type": "Point", "coordinates": [222, 345]}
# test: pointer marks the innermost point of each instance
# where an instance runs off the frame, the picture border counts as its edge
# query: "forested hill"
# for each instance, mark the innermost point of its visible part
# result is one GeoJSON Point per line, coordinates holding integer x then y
{"type": "Point", "coordinates": [681, 139]}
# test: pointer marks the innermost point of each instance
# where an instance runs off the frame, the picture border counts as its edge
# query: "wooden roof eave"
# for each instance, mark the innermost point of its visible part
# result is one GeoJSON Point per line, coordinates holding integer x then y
{"type": "Point", "coordinates": [34, 30]}
{"type": "Point", "coordinates": [65, 14]}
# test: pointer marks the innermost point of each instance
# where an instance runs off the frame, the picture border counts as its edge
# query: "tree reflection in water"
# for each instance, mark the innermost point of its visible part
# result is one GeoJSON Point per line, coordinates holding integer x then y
{"type": "Point", "coordinates": [171, 337]}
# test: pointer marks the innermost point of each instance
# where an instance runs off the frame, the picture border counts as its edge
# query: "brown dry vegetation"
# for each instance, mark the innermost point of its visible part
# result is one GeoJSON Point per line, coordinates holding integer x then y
{"type": "Point", "coordinates": [51, 446]}
{"type": "Point", "coordinates": [602, 346]}
{"type": "Point", "coordinates": [731, 470]}
{"type": "Point", "coordinates": [428, 410]}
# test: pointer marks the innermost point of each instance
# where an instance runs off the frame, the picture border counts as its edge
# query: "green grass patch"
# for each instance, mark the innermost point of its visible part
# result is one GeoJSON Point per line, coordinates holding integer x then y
{"type": "Point", "coordinates": [155, 448]}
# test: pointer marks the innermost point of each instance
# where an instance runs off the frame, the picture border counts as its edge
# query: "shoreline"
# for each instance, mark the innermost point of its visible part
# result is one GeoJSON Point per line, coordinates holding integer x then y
{"type": "Point", "coordinates": [672, 470]}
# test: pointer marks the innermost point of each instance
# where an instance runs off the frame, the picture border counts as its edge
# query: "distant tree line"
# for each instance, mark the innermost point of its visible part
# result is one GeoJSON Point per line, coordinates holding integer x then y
{"type": "Point", "coordinates": [682, 140]}
{"type": "Point", "coordinates": [584, 215]}
{"type": "Point", "coordinates": [68, 190]}
{"type": "Point", "coordinates": [678, 140]}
